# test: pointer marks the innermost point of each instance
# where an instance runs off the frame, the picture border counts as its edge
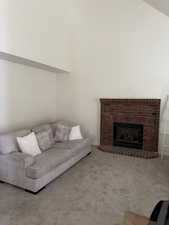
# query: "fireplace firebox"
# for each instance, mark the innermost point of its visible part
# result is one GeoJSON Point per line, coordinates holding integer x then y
{"type": "Point", "coordinates": [128, 135]}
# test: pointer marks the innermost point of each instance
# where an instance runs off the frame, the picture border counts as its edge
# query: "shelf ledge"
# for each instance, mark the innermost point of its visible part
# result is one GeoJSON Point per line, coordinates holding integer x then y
{"type": "Point", "coordinates": [28, 62]}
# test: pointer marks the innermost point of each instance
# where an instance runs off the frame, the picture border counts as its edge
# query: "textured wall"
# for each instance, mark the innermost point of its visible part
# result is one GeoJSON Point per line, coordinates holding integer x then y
{"type": "Point", "coordinates": [36, 30]}
{"type": "Point", "coordinates": [29, 96]}
{"type": "Point", "coordinates": [121, 50]}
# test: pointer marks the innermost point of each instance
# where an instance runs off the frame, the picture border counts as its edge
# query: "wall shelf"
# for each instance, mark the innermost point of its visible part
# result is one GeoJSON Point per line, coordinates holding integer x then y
{"type": "Point", "coordinates": [28, 62]}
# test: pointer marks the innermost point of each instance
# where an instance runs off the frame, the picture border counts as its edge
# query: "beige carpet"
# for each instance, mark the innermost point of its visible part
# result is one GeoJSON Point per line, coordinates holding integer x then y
{"type": "Point", "coordinates": [97, 191]}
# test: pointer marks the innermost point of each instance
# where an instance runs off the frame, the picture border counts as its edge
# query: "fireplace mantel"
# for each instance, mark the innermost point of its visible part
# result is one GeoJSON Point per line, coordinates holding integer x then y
{"type": "Point", "coordinates": [133, 111]}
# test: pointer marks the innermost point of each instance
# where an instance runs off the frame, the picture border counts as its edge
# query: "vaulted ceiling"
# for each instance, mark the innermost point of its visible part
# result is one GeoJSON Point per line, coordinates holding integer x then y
{"type": "Point", "coordinates": [161, 5]}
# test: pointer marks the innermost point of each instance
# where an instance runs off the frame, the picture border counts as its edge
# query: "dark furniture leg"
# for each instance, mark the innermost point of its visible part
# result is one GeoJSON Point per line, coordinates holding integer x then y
{"type": "Point", "coordinates": [34, 193]}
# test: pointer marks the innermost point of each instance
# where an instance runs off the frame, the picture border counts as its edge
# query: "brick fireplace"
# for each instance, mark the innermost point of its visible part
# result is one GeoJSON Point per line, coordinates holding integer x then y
{"type": "Point", "coordinates": [130, 124]}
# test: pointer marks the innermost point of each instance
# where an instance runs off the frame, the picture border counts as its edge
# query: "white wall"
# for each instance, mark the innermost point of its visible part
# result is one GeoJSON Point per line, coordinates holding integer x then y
{"type": "Point", "coordinates": [36, 30]}
{"type": "Point", "coordinates": [121, 50]}
{"type": "Point", "coordinates": [30, 96]}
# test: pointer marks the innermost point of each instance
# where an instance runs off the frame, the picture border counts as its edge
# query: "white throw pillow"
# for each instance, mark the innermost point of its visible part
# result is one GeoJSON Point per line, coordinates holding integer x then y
{"type": "Point", "coordinates": [75, 133]}
{"type": "Point", "coordinates": [29, 145]}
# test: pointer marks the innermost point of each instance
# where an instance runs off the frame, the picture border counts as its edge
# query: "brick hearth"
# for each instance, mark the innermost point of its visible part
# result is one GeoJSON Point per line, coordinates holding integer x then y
{"type": "Point", "coordinates": [134, 111]}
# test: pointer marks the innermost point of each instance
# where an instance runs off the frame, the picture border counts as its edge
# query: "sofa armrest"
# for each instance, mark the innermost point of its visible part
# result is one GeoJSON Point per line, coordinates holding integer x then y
{"type": "Point", "coordinates": [19, 159]}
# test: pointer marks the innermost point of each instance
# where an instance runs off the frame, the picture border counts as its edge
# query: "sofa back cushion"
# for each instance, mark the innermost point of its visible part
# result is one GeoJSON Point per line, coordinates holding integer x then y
{"type": "Point", "coordinates": [45, 139]}
{"type": "Point", "coordinates": [64, 122]}
{"type": "Point", "coordinates": [8, 142]}
{"type": "Point", "coordinates": [62, 133]}
{"type": "Point", "coordinates": [44, 135]}
{"type": "Point", "coordinates": [41, 127]}
{"type": "Point", "coordinates": [61, 130]}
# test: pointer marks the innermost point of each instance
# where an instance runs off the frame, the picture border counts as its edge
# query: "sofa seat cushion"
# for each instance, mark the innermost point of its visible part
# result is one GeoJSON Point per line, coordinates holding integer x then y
{"type": "Point", "coordinates": [52, 158]}
{"type": "Point", "coordinates": [74, 144]}
{"type": "Point", "coordinates": [46, 162]}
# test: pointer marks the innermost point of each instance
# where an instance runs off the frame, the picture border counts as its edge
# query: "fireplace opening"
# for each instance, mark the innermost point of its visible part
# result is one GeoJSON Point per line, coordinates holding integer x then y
{"type": "Point", "coordinates": [128, 135]}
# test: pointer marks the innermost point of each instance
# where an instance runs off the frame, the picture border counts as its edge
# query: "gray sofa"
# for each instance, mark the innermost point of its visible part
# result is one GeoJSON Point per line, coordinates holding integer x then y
{"type": "Point", "coordinates": [34, 173]}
